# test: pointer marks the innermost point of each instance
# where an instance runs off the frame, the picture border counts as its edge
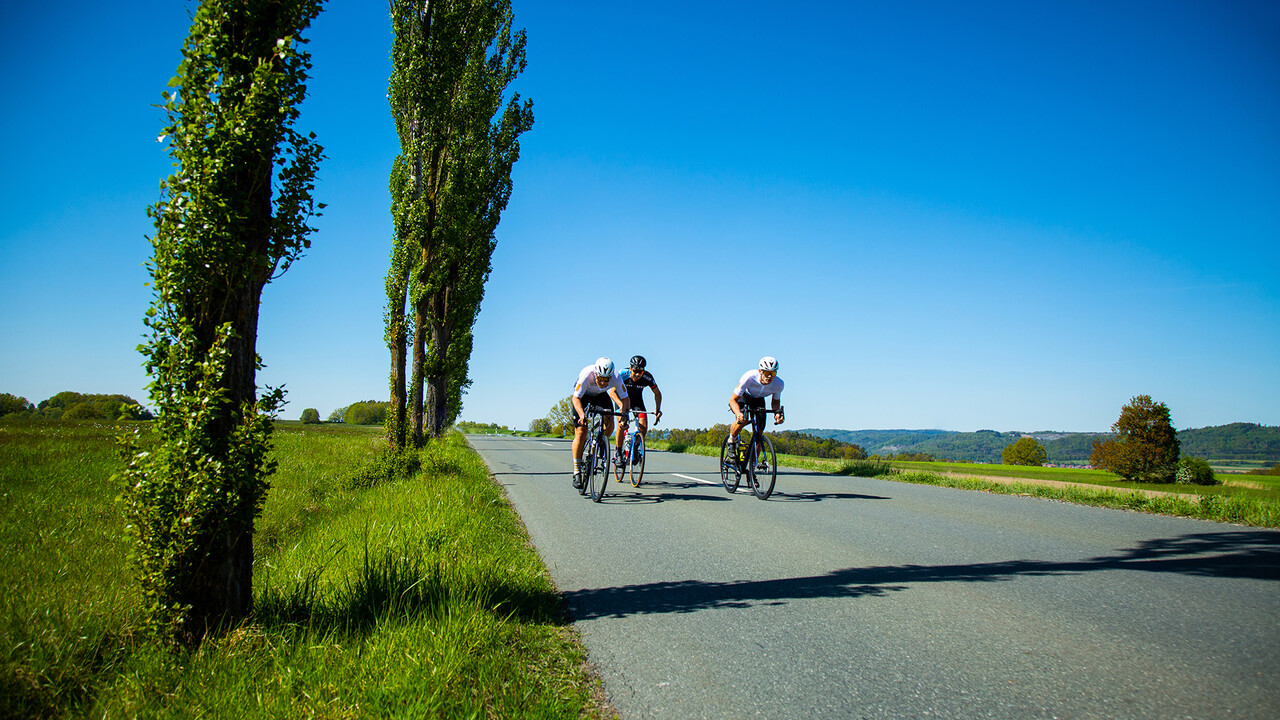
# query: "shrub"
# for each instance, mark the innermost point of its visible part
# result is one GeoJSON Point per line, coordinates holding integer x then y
{"type": "Point", "coordinates": [13, 404]}
{"type": "Point", "coordinates": [865, 468]}
{"type": "Point", "coordinates": [1194, 471]}
{"type": "Point", "coordinates": [369, 412]}
{"type": "Point", "coordinates": [1026, 451]}
{"type": "Point", "coordinates": [386, 467]}
{"type": "Point", "coordinates": [310, 416]}
{"type": "Point", "coordinates": [677, 447]}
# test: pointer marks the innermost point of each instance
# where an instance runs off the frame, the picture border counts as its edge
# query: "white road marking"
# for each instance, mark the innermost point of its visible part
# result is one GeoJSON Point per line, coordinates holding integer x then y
{"type": "Point", "coordinates": [550, 444]}
{"type": "Point", "coordinates": [697, 480]}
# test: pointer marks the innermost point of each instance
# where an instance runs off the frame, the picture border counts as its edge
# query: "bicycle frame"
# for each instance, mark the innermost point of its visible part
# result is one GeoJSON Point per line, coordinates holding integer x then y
{"type": "Point", "coordinates": [631, 442]}
{"type": "Point", "coordinates": [595, 456]}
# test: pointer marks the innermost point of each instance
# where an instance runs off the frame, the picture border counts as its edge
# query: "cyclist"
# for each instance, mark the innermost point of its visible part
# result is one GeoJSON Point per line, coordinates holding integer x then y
{"type": "Point", "coordinates": [636, 379]}
{"type": "Point", "coordinates": [597, 385]}
{"type": "Point", "coordinates": [750, 393]}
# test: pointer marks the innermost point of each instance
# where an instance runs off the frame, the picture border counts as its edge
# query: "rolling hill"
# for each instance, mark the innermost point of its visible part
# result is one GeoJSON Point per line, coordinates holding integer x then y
{"type": "Point", "coordinates": [1234, 442]}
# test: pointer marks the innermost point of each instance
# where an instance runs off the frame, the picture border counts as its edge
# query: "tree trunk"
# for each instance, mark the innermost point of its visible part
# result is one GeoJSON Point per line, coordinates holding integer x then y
{"type": "Point", "coordinates": [438, 379]}
{"type": "Point", "coordinates": [419, 361]}
{"type": "Point", "coordinates": [222, 589]}
{"type": "Point", "coordinates": [397, 331]}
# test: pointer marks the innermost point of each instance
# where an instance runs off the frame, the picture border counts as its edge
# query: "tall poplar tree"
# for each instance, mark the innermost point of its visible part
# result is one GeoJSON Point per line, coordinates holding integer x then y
{"type": "Point", "coordinates": [231, 218]}
{"type": "Point", "coordinates": [453, 61]}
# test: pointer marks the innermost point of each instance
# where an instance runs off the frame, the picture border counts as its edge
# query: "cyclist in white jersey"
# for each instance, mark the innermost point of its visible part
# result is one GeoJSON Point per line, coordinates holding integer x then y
{"type": "Point", "coordinates": [751, 391]}
{"type": "Point", "coordinates": [600, 386]}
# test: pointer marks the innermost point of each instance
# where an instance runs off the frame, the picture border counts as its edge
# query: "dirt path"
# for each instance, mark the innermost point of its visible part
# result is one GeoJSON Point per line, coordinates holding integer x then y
{"type": "Point", "coordinates": [1060, 483]}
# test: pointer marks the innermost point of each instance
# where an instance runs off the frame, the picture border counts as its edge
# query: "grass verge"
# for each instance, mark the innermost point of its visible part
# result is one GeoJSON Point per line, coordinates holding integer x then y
{"type": "Point", "coordinates": [1240, 510]}
{"type": "Point", "coordinates": [408, 599]}
{"type": "Point", "coordinates": [1243, 500]}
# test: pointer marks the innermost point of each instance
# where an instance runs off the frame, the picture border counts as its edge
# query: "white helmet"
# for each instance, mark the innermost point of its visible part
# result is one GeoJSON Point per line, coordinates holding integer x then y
{"type": "Point", "coordinates": [604, 367]}
{"type": "Point", "coordinates": [769, 364]}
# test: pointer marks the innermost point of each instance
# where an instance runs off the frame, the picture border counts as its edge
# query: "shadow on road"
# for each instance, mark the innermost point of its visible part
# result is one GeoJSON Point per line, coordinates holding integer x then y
{"type": "Point", "coordinates": [643, 497]}
{"type": "Point", "coordinates": [819, 497]}
{"type": "Point", "coordinates": [1252, 555]}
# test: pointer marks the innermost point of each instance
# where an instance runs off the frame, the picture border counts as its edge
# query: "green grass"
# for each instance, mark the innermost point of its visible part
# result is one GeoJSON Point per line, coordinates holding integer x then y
{"type": "Point", "coordinates": [1223, 507]}
{"type": "Point", "coordinates": [1241, 499]}
{"type": "Point", "coordinates": [417, 598]}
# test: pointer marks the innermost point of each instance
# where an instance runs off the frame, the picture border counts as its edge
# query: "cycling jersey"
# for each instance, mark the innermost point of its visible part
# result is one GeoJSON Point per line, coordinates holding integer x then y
{"type": "Point", "coordinates": [587, 386]}
{"type": "Point", "coordinates": [750, 386]}
{"type": "Point", "coordinates": [636, 384]}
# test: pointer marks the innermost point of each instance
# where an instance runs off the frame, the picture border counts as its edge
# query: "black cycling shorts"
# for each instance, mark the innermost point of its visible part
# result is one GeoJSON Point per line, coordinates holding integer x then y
{"type": "Point", "coordinates": [601, 400]}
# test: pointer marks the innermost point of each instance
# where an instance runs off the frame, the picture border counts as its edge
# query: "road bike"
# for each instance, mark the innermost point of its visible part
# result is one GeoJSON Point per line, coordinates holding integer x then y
{"type": "Point", "coordinates": [633, 451]}
{"type": "Point", "coordinates": [595, 456]}
{"type": "Point", "coordinates": [755, 457]}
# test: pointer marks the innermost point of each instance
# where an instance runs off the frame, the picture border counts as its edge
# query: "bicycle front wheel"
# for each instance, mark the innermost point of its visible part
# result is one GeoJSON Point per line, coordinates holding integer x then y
{"type": "Point", "coordinates": [637, 459]}
{"type": "Point", "coordinates": [764, 468]}
{"type": "Point", "coordinates": [601, 474]}
{"type": "Point", "coordinates": [729, 475]}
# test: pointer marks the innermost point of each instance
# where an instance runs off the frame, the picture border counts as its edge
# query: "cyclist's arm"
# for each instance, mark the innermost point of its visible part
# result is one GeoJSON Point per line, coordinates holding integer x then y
{"type": "Point", "coordinates": [777, 410]}
{"type": "Point", "coordinates": [622, 401]}
{"type": "Point", "coordinates": [735, 406]}
{"type": "Point", "coordinates": [657, 402]}
{"type": "Point", "coordinates": [582, 413]}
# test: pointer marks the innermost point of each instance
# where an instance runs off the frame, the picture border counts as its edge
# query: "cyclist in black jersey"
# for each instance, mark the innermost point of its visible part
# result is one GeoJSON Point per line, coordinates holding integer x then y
{"type": "Point", "coordinates": [636, 379]}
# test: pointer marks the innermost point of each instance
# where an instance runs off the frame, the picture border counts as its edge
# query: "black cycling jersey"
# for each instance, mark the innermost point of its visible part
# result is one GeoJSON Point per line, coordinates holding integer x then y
{"type": "Point", "coordinates": [635, 384]}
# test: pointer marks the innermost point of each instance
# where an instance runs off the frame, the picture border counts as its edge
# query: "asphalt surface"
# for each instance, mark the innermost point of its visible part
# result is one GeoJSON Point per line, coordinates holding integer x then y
{"type": "Point", "coordinates": [859, 598]}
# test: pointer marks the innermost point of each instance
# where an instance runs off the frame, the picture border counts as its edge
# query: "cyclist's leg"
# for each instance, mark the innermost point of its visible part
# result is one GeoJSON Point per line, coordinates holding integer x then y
{"type": "Point", "coordinates": [747, 403]}
{"type": "Point", "coordinates": [735, 427]}
{"type": "Point", "coordinates": [579, 441]}
{"type": "Point", "coordinates": [634, 406]}
{"type": "Point", "coordinates": [642, 420]}
{"type": "Point", "coordinates": [637, 403]}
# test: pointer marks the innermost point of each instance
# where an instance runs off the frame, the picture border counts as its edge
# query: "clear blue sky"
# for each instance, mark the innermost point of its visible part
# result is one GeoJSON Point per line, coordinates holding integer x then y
{"type": "Point", "coordinates": [1000, 215]}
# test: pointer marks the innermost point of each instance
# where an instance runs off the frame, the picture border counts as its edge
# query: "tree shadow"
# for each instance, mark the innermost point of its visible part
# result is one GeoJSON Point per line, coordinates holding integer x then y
{"type": "Point", "coordinates": [1249, 555]}
{"type": "Point", "coordinates": [639, 497]}
{"type": "Point", "coordinates": [819, 497]}
{"type": "Point", "coordinates": [396, 584]}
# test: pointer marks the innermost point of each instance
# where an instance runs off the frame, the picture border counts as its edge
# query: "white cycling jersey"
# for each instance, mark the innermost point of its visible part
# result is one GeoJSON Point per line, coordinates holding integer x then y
{"type": "Point", "coordinates": [751, 386]}
{"type": "Point", "coordinates": [587, 384]}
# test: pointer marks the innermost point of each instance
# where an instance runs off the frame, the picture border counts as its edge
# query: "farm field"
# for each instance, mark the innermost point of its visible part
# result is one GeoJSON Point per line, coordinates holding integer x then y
{"type": "Point", "coordinates": [1243, 499]}
{"type": "Point", "coordinates": [413, 598]}
{"type": "Point", "coordinates": [1262, 487]}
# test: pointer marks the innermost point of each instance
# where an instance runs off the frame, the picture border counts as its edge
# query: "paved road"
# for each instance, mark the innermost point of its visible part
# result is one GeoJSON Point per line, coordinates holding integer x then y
{"type": "Point", "coordinates": [860, 598]}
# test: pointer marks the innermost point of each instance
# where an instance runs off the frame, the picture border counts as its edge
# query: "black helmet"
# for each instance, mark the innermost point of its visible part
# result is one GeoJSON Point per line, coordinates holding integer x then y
{"type": "Point", "coordinates": [637, 361]}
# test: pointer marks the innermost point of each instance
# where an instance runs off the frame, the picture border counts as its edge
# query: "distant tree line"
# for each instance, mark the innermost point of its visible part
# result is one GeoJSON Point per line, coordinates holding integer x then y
{"type": "Point", "coordinates": [77, 406]}
{"type": "Point", "coordinates": [467, 426]}
{"type": "Point", "coordinates": [1237, 441]}
{"type": "Point", "coordinates": [788, 442]}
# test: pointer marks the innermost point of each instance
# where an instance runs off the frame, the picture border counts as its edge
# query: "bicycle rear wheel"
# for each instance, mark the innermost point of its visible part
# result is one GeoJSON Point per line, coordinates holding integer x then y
{"type": "Point", "coordinates": [764, 468]}
{"type": "Point", "coordinates": [601, 474]}
{"type": "Point", "coordinates": [729, 475]}
{"type": "Point", "coordinates": [637, 459]}
{"type": "Point", "coordinates": [587, 468]}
